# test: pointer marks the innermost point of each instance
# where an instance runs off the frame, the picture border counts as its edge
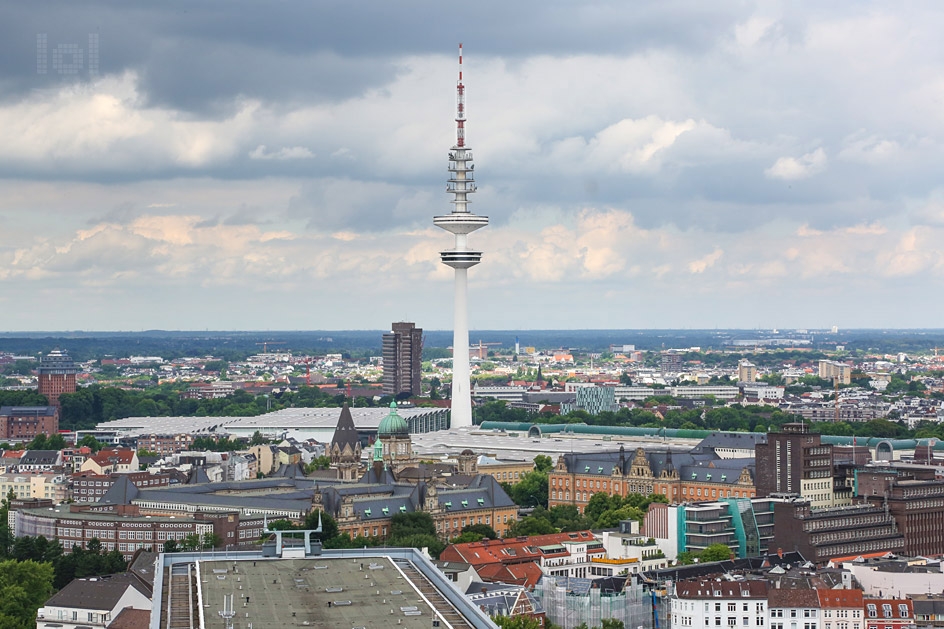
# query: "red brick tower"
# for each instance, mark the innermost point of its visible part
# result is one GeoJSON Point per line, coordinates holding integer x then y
{"type": "Point", "coordinates": [56, 375]}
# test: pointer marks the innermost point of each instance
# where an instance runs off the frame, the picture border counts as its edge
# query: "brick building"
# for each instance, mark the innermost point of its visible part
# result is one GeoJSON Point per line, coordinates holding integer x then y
{"type": "Point", "coordinates": [681, 477]}
{"type": "Point", "coordinates": [916, 504]}
{"type": "Point", "coordinates": [822, 534]}
{"type": "Point", "coordinates": [127, 530]}
{"type": "Point", "coordinates": [89, 487]}
{"type": "Point", "coordinates": [25, 423]}
{"type": "Point", "coordinates": [164, 444]}
{"type": "Point", "coordinates": [795, 461]}
{"type": "Point", "coordinates": [367, 508]}
{"type": "Point", "coordinates": [56, 375]}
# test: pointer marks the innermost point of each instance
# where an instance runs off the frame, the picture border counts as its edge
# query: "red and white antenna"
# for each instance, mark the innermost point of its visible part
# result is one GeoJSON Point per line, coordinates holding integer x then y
{"type": "Point", "coordinates": [460, 106]}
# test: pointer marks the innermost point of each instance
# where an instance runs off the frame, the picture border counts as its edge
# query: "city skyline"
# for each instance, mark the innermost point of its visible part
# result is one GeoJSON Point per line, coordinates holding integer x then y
{"type": "Point", "coordinates": [684, 167]}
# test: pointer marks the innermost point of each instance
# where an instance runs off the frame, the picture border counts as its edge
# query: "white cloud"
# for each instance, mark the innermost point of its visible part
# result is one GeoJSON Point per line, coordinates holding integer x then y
{"type": "Point", "coordinates": [286, 152]}
{"type": "Point", "coordinates": [705, 263]}
{"type": "Point", "coordinates": [790, 168]}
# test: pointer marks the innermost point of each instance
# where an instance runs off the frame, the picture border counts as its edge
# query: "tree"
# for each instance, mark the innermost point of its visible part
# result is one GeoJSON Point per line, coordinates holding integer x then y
{"type": "Point", "coordinates": [24, 587]}
{"type": "Point", "coordinates": [419, 540]}
{"type": "Point", "coordinates": [484, 530]}
{"type": "Point", "coordinates": [517, 622]}
{"type": "Point", "coordinates": [318, 463]}
{"type": "Point", "coordinates": [530, 525]}
{"type": "Point", "coordinates": [257, 439]}
{"type": "Point", "coordinates": [38, 442]}
{"type": "Point", "coordinates": [543, 463]}
{"type": "Point", "coordinates": [416, 523]}
{"type": "Point", "coordinates": [612, 623]}
{"type": "Point", "coordinates": [466, 537]}
{"type": "Point", "coordinates": [329, 526]}
{"type": "Point", "coordinates": [685, 558]}
{"type": "Point", "coordinates": [88, 441]}
{"type": "Point", "coordinates": [170, 546]}
{"type": "Point", "coordinates": [530, 491]}
{"type": "Point", "coordinates": [716, 552]}
{"type": "Point", "coordinates": [190, 542]}
{"type": "Point", "coordinates": [211, 540]}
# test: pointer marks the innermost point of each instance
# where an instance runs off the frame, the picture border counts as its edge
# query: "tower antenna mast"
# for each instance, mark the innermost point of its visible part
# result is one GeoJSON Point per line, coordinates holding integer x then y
{"type": "Point", "coordinates": [460, 106]}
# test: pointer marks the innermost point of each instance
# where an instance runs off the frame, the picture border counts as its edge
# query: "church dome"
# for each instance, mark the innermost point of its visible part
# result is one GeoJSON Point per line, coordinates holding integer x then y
{"type": "Point", "coordinates": [393, 425]}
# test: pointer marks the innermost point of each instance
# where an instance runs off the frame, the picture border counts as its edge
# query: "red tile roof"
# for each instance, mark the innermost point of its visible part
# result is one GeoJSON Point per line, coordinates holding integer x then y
{"type": "Point", "coordinates": [114, 456]}
{"type": "Point", "coordinates": [895, 611]}
{"type": "Point", "coordinates": [512, 550]}
{"type": "Point", "coordinates": [840, 598]}
{"type": "Point", "coordinates": [526, 574]}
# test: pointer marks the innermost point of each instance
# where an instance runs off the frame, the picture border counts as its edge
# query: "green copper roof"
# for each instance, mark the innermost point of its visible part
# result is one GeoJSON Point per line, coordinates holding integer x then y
{"type": "Point", "coordinates": [393, 424]}
{"type": "Point", "coordinates": [378, 450]}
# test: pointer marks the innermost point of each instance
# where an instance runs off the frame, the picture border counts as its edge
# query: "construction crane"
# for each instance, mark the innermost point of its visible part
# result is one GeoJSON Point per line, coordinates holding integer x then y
{"type": "Point", "coordinates": [265, 345]}
{"type": "Point", "coordinates": [481, 350]}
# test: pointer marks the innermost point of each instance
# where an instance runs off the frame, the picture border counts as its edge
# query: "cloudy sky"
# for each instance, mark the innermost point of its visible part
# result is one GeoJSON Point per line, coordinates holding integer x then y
{"type": "Point", "coordinates": [275, 165]}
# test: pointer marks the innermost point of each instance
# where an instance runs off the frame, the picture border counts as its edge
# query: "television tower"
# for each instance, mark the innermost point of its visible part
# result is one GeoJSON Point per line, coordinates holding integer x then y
{"type": "Point", "coordinates": [461, 222]}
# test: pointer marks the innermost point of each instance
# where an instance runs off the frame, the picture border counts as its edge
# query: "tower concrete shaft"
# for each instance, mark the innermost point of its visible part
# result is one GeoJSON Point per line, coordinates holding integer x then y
{"type": "Point", "coordinates": [461, 222]}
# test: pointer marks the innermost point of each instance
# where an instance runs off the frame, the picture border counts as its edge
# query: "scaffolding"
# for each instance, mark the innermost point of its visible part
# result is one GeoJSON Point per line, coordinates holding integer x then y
{"type": "Point", "coordinates": [569, 606]}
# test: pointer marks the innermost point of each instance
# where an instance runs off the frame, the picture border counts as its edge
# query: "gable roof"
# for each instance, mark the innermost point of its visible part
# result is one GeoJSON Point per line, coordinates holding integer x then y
{"type": "Point", "coordinates": [113, 456]}
{"type": "Point", "coordinates": [780, 597]}
{"type": "Point", "coordinates": [95, 593]}
{"type": "Point", "coordinates": [840, 598]}
{"type": "Point", "coordinates": [712, 588]}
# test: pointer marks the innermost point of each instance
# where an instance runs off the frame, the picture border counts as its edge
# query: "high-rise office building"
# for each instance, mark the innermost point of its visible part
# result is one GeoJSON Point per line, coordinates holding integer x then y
{"type": "Point", "coordinates": [461, 222]}
{"type": "Point", "coordinates": [833, 369]}
{"type": "Point", "coordinates": [402, 359]}
{"type": "Point", "coordinates": [56, 375]}
{"type": "Point", "coordinates": [747, 371]}
{"type": "Point", "coordinates": [795, 461]}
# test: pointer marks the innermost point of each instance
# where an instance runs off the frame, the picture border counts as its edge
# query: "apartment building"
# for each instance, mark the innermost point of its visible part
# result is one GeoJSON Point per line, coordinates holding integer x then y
{"type": "Point", "coordinates": [710, 604]}
{"type": "Point", "coordinates": [49, 486]}
{"type": "Point", "coordinates": [164, 444]}
{"type": "Point", "coordinates": [745, 525]}
{"type": "Point", "coordinates": [832, 369]}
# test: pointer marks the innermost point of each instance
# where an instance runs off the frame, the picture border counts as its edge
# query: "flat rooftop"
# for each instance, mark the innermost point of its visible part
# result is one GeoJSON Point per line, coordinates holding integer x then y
{"type": "Point", "coordinates": [522, 447]}
{"type": "Point", "coordinates": [289, 418]}
{"type": "Point", "coordinates": [368, 592]}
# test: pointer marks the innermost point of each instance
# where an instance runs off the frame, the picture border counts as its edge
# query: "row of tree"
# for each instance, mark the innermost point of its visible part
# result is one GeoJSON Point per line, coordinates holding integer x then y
{"type": "Point", "coordinates": [602, 512]}
{"type": "Point", "coordinates": [415, 530]}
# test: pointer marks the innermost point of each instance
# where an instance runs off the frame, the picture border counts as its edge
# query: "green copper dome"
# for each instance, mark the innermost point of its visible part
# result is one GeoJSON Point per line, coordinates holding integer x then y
{"type": "Point", "coordinates": [393, 425]}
